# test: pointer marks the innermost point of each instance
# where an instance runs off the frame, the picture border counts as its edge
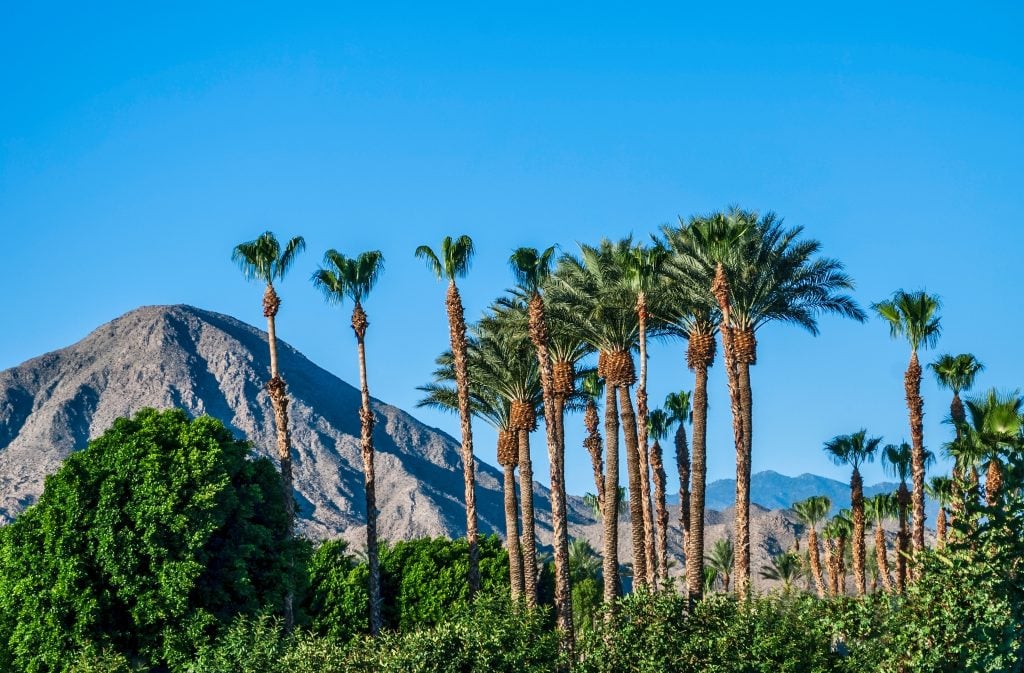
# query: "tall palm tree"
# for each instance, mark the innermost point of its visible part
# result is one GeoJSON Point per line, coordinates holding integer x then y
{"type": "Point", "coordinates": [451, 264]}
{"type": "Point", "coordinates": [776, 276]}
{"type": "Point", "coordinates": [354, 278]}
{"type": "Point", "coordinates": [941, 490]}
{"type": "Point", "coordinates": [677, 406]}
{"type": "Point", "coordinates": [811, 512]}
{"type": "Point", "coordinates": [658, 425]}
{"type": "Point", "coordinates": [957, 373]}
{"type": "Point", "coordinates": [721, 560]}
{"type": "Point", "coordinates": [488, 404]}
{"type": "Point", "coordinates": [531, 270]}
{"type": "Point", "coordinates": [914, 317]}
{"type": "Point", "coordinates": [263, 259]}
{"type": "Point", "coordinates": [786, 568]}
{"type": "Point", "coordinates": [896, 460]}
{"type": "Point", "coordinates": [695, 315]}
{"type": "Point", "coordinates": [642, 272]}
{"type": "Point", "coordinates": [854, 450]}
{"type": "Point", "coordinates": [605, 318]}
{"type": "Point", "coordinates": [880, 507]}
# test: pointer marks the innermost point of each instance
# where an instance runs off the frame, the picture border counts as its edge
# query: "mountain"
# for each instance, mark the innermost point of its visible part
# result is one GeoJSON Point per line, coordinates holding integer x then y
{"type": "Point", "coordinates": [208, 363]}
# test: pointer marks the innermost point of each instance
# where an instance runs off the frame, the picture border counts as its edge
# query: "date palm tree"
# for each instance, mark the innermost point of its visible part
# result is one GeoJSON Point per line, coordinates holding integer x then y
{"type": "Point", "coordinates": [263, 259]}
{"type": "Point", "coordinates": [786, 568]}
{"type": "Point", "coordinates": [721, 560]}
{"type": "Point", "coordinates": [354, 278]}
{"type": "Point", "coordinates": [531, 270]}
{"type": "Point", "coordinates": [854, 450]}
{"type": "Point", "coordinates": [677, 407]}
{"type": "Point", "coordinates": [811, 512]}
{"type": "Point", "coordinates": [658, 426]}
{"type": "Point", "coordinates": [880, 507]}
{"type": "Point", "coordinates": [914, 316]}
{"type": "Point", "coordinates": [451, 264]}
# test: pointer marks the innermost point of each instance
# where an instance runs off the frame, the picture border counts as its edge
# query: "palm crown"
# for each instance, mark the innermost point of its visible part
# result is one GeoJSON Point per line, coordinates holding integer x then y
{"type": "Point", "coordinates": [854, 449]}
{"type": "Point", "coordinates": [678, 407]}
{"type": "Point", "coordinates": [813, 510]}
{"type": "Point", "coordinates": [453, 262]}
{"type": "Point", "coordinates": [956, 372]}
{"type": "Point", "coordinates": [263, 259]}
{"type": "Point", "coordinates": [351, 277]}
{"type": "Point", "coordinates": [658, 423]}
{"type": "Point", "coordinates": [912, 315]}
{"type": "Point", "coordinates": [531, 268]}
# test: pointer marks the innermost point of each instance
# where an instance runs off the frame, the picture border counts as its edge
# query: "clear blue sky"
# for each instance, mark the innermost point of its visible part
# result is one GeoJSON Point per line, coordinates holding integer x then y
{"type": "Point", "coordinates": [137, 146]}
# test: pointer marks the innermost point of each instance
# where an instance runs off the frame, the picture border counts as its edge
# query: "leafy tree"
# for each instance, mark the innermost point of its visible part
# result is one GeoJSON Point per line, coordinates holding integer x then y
{"type": "Point", "coordinates": [451, 264]}
{"type": "Point", "coordinates": [914, 316]}
{"type": "Point", "coordinates": [354, 278]}
{"type": "Point", "coordinates": [143, 545]}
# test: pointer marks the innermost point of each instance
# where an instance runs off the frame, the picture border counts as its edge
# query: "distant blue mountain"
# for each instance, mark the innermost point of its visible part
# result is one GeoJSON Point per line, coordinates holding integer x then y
{"type": "Point", "coordinates": [772, 490]}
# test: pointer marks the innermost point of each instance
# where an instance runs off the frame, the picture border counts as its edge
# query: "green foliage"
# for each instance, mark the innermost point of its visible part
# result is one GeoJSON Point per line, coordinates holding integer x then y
{"type": "Point", "coordinates": [142, 545]}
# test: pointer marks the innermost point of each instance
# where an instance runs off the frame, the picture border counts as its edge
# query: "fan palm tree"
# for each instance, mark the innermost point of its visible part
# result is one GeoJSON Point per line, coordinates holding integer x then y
{"type": "Point", "coordinates": [941, 490]}
{"type": "Point", "coordinates": [811, 512]}
{"type": "Point", "coordinates": [786, 568]}
{"type": "Point", "coordinates": [879, 508]}
{"type": "Point", "coordinates": [263, 259]}
{"type": "Point", "coordinates": [721, 560]}
{"type": "Point", "coordinates": [451, 264]}
{"type": "Point", "coordinates": [487, 404]}
{"type": "Point", "coordinates": [914, 317]}
{"type": "Point", "coordinates": [896, 460]}
{"type": "Point", "coordinates": [592, 387]}
{"type": "Point", "coordinates": [854, 450]}
{"type": "Point", "coordinates": [605, 318]}
{"type": "Point", "coordinates": [642, 273]}
{"type": "Point", "coordinates": [658, 425]}
{"type": "Point", "coordinates": [957, 373]}
{"type": "Point", "coordinates": [354, 278]}
{"type": "Point", "coordinates": [836, 532]}
{"type": "Point", "coordinates": [995, 427]}
{"type": "Point", "coordinates": [677, 406]}
{"type": "Point", "coordinates": [531, 270]}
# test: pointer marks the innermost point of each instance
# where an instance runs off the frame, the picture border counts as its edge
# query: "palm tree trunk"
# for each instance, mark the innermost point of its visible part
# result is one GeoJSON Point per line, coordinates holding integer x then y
{"type": "Point", "coordinates": [278, 393]}
{"type": "Point", "coordinates": [912, 386]}
{"type": "Point", "coordinates": [683, 463]}
{"type": "Point", "coordinates": [661, 510]}
{"type": "Point", "coordinates": [841, 563]}
{"type": "Point", "coordinates": [881, 559]}
{"type": "Point", "coordinates": [830, 568]}
{"type": "Point", "coordinates": [515, 555]}
{"type": "Point", "coordinates": [457, 333]}
{"type": "Point", "coordinates": [636, 513]}
{"type": "Point", "coordinates": [529, 542]}
{"type": "Point", "coordinates": [902, 538]}
{"type": "Point", "coordinates": [610, 502]}
{"type": "Point", "coordinates": [859, 556]}
{"type": "Point", "coordinates": [940, 529]}
{"type": "Point", "coordinates": [993, 482]}
{"type": "Point", "coordinates": [743, 458]}
{"type": "Point", "coordinates": [593, 446]}
{"type": "Point", "coordinates": [642, 447]}
{"type": "Point", "coordinates": [366, 422]}
{"type": "Point", "coordinates": [695, 534]}
{"type": "Point", "coordinates": [815, 561]}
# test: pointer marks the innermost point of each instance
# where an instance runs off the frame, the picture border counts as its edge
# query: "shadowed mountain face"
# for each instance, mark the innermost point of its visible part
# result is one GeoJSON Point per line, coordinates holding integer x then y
{"type": "Point", "coordinates": [208, 363]}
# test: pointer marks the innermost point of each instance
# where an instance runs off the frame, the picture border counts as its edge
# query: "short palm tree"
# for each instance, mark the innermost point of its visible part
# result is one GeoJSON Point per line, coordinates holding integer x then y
{"type": "Point", "coordinates": [854, 450]}
{"type": "Point", "coordinates": [995, 427]}
{"type": "Point", "coordinates": [811, 512]}
{"type": "Point", "coordinates": [721, 561]}
{"type": "Point", "coordinates": [657, 427]}
{"type": "Point", "coordinates": [453, 263]}
{"type": "Point", "coordinates": [941, 490]}
{"type": "Point", "coordinates": [957, 373]}
{"type": "Point", "coordinates": [354, 278]}
{"type": "Point", "coordinates": [914, 316]}
{"type": "Point", "coordinates": [786, 567]}
{"type": "Point", "coordinates": [880, 507]}
{"type": "Point", "coordinates": [896, 460]}
{"type": "Point", "coordinates": [591, 388]}
{"type": "Point", "coordinates": [836, 533]}
{"type": "Point", "coordinates": [677, 406]}
{"type": "Point", "coordinates": [531, 270]}
{"type": "Point", "coordinates": [264, 260]}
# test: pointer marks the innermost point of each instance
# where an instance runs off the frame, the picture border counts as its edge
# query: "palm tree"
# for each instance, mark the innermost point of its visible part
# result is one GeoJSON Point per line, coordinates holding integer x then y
{"type": "Point", "coordinates": [593, 284]}
{"type": "Point", "coordinates": [811, 512]}
{"type": "Point", "coordinates": [896, 460]}
{"type": "Point", "coordinates": [914, 316]}
{"type": "Point", "coordinates": [592, 387]}
{"type": "Point", "coordinates": [881, 507]}
{"type": "Point", "coordinates": [263, 260]}
{"type": "Point", "coordinates": [786, 568]}
{"type": "Point", "coordinates": [642, 271]}
{"type": "Point", "coordinates": [677, 406]}
{"type": "Point", "coordinates": [995, 427]}
{"type": "Point", "coordinates": [531, 269]}
{"type": "Point", "coordinates": [658, 425]}
{"type": "Point", "coordinates": [854, 450]}
{"type": "Point", "coordinates": [941, 490]}
{"type": "Point", "coordinates": [836, 532]}
{"type": "Point", "coordinates": [453, 263]}
{"type": "Point", "coordinates": [957, 373]}
{"type": "Point", "coordinates": [354, 278]}
{"type": "Point", "coordinates": [721, 560]}
{"type": "Point", "coordinates": [489, 405]}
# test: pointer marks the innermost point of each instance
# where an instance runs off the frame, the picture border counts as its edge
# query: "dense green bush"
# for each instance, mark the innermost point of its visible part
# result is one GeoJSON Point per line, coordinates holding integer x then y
{"type": "Point", "coordinates": [141, 546]}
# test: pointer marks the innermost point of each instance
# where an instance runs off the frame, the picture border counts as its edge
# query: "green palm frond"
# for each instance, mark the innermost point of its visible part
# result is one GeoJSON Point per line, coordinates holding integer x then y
{"type": "Point", "coordinates": [853, 449]}
{"type": "Point", "coordinates": [658, 424]}
{"type": "Point", "coordinates": [678, 407]}
{"type": "Point", "coordinates": [262, 258]}
{"type": "Point", "coordinates": [348, 277]}
{"type": "Point", "coordinates": [813, 510]}
{"type": "Point", "coordinates": [956, 372]}
{"type": "Point", "coordinates": [913, 316]}
{"type": "Point", "coordinates": [531, 268]}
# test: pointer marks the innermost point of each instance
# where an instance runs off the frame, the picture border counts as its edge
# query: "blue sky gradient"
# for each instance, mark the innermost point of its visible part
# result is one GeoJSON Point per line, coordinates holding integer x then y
{"type": "Point", "coordinates": [138, 145]}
